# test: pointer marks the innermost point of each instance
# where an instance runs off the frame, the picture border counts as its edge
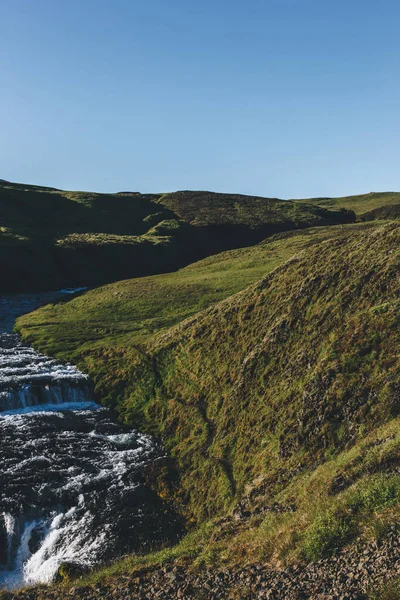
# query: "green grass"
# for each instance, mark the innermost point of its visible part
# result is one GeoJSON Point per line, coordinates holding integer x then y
{"type": "Point", "coordinates": [360, 204]}
{"type": "Point", "coordinates": [387, 591]}
{"type": "Point", "coordinates": [204, 209]}
{"type": "Point", "coordinates": [336, 526]}
{"type": "Point", "coordinates": [127, 313]}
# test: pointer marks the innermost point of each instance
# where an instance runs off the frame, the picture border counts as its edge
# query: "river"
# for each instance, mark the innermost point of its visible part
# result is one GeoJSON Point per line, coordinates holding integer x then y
{"type": "Point", "coordinates": [72, 480]}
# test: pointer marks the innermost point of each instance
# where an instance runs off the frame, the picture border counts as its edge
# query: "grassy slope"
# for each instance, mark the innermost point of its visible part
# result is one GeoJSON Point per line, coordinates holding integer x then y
{"type": "Point", "coordinates": [204, 209]}
{"type": "Point", "coordinates": [361, 204]}
{"type": "Point", "coordinates": [127, 313]}
{"type": "Point", "coordinates": [274, 379]}
{"type": "Point", "coordinates": [82, 238]}
{"type": "Point", "coordinates": [284, 394]}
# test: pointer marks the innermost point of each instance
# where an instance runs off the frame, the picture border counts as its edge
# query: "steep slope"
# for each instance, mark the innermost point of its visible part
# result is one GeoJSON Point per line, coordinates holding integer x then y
{"type": "Point", "coordinates": [305, 360]}
{"type": "Point", "coordinates": [298, 365]}
{"type": "Point", "coordinates": [50, 238]}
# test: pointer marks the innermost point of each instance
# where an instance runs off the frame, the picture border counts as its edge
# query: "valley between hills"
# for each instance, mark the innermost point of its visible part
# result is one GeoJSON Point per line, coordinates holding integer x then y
{"type": "Point", "coordinates": [257, 340]}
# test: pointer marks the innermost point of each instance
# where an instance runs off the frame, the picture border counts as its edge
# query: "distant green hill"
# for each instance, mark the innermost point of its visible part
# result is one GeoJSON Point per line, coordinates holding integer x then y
{"type": "Point", "coordinates": [51, 238]}
{"type": "Point", "coordinates": [271, 375]}
{"type": "Point", "coordinates": [363, 204]}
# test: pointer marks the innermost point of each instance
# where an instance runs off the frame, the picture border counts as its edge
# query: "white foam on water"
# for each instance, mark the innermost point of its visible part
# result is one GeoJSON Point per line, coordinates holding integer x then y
{"type": "Point", "coordinates": [23, 550]}
{"type": "Point", "coordinates": [54, 408]}
{"type": "Point", "coordinates": [28, 378]}
{"type": "Point", "coordinates": [13, 577]}
{"type": "Point", "coordinates": [65, 542]}
{"type": "Point", "coordinates": [9, 522]}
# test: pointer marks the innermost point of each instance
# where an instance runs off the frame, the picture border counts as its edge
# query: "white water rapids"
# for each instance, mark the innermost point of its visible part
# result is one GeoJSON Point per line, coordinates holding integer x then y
{"type": "Point", "coordinates": [72, 480]}
{"type": "Point", "coordinates": [28, 378]}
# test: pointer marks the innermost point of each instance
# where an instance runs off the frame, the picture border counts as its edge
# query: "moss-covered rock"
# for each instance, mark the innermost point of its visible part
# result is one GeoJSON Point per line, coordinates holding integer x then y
{"type": "Point", "coordinates": [68, 572]}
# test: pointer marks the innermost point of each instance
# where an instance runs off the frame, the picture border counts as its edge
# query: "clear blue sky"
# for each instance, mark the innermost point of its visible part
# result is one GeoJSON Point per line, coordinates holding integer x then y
{"type": "Point", "coordinates": [287, 98]}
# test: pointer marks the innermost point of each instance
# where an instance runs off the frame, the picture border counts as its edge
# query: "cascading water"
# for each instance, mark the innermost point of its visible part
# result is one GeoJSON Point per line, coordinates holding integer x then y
{"type": "Point", "coordinates": [72, 485]}
{"type": "Point", "coordinates": [28, 378]}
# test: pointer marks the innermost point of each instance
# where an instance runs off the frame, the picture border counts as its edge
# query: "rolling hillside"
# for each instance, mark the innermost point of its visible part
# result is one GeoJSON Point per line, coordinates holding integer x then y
{"type": "Point", "coordinates": [51, 238]}
{"type": "Point", "coordinates": [129, 313]}
{"type": "Point", "coordinates": [366, 206]}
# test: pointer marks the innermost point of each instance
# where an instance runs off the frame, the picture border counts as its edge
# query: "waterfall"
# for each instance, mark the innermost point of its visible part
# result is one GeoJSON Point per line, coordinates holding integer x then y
{"type": "Point", "coordinates": [28, 378]}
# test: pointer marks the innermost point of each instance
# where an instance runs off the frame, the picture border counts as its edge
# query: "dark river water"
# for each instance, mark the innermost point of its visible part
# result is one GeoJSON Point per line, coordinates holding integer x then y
{"type": "Point", "coordinates": [72, 485]}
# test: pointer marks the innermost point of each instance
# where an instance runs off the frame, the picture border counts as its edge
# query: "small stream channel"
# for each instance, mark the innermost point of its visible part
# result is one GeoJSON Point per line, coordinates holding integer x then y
{"type": "Point", "coordinates": [72, 488]}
